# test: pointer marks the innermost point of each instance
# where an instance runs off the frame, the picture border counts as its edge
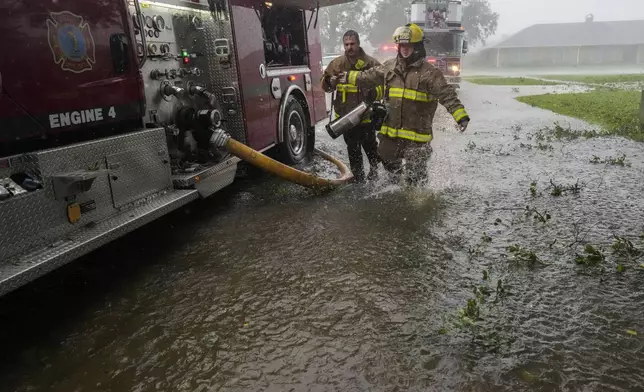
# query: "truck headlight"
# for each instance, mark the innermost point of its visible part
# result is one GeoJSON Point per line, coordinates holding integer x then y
{"type": "Point", "coordinates": [454, 68]}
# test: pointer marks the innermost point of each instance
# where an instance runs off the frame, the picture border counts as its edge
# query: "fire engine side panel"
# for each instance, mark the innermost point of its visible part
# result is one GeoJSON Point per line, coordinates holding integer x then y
{"type": "Point", "coordinates": [224, 76]}
{"type": "Point", "coordinates": [318, 111]}
{"type": "Point", "coordinates": [207, 38]}
{"type": "Point", "coordinates": [126, 168]}
{"type": "Point", "coordinates": [260, 113]}
{"type": "Point", "coordinates": [61, 63]}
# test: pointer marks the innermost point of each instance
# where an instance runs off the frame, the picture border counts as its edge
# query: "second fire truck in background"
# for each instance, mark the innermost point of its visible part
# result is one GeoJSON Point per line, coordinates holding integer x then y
{"type": "Point", "coordinates": [442, 22]}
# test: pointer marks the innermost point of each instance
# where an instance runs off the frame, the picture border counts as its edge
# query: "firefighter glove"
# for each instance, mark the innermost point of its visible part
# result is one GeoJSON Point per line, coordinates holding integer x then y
{"type": "Point", "coordinates": [463, 123]}
{"type": "Point", "coordinates": [333, 81]}
{"type": "Point", "coordinates": [342, 78]}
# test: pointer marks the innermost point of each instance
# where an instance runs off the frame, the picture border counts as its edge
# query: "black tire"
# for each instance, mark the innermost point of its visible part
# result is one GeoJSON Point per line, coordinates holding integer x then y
{"type": "Point", "coordinates": [295, 133]}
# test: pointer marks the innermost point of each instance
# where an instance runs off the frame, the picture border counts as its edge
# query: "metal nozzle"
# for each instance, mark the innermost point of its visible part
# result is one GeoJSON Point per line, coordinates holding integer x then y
{"type": "Point", "coordinates": [219, 138]}
{"type": "Point", "coordinates": [347, 122]}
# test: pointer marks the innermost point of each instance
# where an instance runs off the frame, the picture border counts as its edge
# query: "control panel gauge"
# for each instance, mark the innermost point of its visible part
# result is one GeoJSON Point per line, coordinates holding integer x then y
{"type": "Point", "coordinates": [159, 23]}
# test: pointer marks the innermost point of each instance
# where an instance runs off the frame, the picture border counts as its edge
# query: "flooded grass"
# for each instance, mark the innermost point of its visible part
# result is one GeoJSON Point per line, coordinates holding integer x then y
{"type": "Point", "coordinates": [616, 111]}
{"type": "Point", "coordinates": [518, 81]}
{"type": "Point", "coordinates": [596, 79]}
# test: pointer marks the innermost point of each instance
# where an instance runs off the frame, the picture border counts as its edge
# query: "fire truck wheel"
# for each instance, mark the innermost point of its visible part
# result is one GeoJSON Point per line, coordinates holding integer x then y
{"type": "Point", "coordinates": [294, 131]}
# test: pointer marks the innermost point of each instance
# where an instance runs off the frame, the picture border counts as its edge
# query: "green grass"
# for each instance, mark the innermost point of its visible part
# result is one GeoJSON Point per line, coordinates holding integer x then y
{"type": "Point", "coordinates": [597, 79]}
{"type": "Point", "coordinates": [616, 111]}
{"type": "Point", "coordinates": [501, 81]}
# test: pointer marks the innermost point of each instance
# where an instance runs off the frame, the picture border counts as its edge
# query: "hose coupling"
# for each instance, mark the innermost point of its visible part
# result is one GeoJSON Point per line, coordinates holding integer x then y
{"type": "Point", "coordinates": [212, 98]}
{"type": "Point", "coordinates": [169, 89]}
{"type": "Point", "coordinates": [219, 138]}
{"type": "Point", "coordinates": [211, 117]}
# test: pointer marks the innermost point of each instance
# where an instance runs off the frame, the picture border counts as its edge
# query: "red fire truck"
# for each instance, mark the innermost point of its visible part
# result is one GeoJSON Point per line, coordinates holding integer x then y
{"type": "Point", "coordinates": [107, 109]}
{"type": "Point", "coordinates": [386, 51]}
{"type": "Point", "coordinates": [442, 22]}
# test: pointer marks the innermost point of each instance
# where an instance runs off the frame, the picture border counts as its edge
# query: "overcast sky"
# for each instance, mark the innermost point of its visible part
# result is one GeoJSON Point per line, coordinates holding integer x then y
{"type": "Point", "coordinates": [518, 14]}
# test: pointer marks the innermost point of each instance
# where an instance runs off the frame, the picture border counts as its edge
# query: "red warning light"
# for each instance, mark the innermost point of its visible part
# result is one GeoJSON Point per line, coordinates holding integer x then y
{"type": "Point", "coordinates": [291, 78]}
{"type": "Point", "coordinates": [431, 60]}
{"type": "Point", "coordinates": [186, 60]}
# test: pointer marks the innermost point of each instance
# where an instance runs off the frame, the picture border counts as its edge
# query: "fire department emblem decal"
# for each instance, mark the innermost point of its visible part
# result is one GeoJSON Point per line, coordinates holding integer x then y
{"type": "Point", "coordinates": [71, 42]}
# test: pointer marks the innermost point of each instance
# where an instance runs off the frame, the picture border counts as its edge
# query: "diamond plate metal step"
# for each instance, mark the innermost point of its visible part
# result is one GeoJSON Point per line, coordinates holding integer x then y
{"type": "Point", "coordinates": [28, 267]}
{"type": "Point", "coordinates": [188, 180]}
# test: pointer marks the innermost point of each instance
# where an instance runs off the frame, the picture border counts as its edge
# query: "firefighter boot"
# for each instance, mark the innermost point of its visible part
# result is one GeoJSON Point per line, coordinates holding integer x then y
{"type": "Point", "coordinates": [355, 157]}
{"type": "Point", "coordinates": [370, 146]}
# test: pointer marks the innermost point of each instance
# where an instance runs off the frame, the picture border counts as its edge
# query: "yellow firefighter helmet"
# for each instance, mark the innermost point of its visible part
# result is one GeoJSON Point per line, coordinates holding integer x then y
{"type": "Point", "coordinates": [408, 34]}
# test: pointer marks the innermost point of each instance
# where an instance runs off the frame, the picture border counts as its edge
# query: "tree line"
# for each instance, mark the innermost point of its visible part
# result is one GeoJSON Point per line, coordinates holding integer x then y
{"type": "Point", "coordinates": [376, 20]}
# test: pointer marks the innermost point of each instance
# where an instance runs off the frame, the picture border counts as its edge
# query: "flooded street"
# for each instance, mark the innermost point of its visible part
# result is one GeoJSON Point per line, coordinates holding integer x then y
{"type": "Point", "coordinates": [267, 287]}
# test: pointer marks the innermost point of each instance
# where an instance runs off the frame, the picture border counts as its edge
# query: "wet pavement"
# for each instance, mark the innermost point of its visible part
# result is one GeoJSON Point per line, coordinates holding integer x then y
{"type": "Point", "coordinates": [267, 287]}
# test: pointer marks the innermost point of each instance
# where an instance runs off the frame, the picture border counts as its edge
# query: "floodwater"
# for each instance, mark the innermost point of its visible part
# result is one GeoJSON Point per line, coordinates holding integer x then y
{"type": "Point", "coordinates": [268, 287]}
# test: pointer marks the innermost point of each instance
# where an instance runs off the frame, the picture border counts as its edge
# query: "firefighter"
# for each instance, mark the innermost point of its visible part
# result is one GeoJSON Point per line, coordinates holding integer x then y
{"type": "Point", "coordinates": [347, 97]}
{"type": "Point", "coordinates": [412, 90]}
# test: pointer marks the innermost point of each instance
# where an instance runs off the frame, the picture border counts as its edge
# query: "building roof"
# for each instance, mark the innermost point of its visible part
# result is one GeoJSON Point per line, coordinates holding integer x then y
{"type": "Point", "coordinates": [629, 32]}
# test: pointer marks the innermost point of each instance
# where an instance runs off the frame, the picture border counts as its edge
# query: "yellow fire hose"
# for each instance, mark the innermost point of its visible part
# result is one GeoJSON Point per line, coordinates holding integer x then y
{"type": "Point", "coordinates": [286, 172]}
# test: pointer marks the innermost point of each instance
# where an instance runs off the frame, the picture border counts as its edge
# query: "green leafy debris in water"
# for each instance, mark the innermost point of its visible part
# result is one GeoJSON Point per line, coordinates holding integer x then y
{"type": "Point", "coordinates": [542, 217]}
{"type": "Point", "coordinates": [560, 189]}
{"type": "Point", "coordinates": [623, 247]}
{"type": "Point", "coordinates": [475, 319]}
{"type": "Point", "coordinates": [533, 189]}
{"type": "Point", "coordinates": [474, 251]}
{"type": "Point", "coordinates": [592, 257]}
{"type": "Point", "coordinates": [472, 310]}
{"type": "Point", "coordinates": [619, 161]}
{"type": "Point", "coordinates": [561, 133]}
{"type": "Point", "coordinates": [482, 292]}
{"type": "Point", "coordinates": [631, 332]}
{"type": "Point", "coordinates": [500, 289]}
{"type": "Point", "coordinates": [523, 255]}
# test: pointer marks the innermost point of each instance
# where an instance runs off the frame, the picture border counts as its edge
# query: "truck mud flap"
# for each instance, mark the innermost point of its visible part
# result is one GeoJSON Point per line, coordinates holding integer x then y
{"type": "Point", "coordinates": [27, 267]}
